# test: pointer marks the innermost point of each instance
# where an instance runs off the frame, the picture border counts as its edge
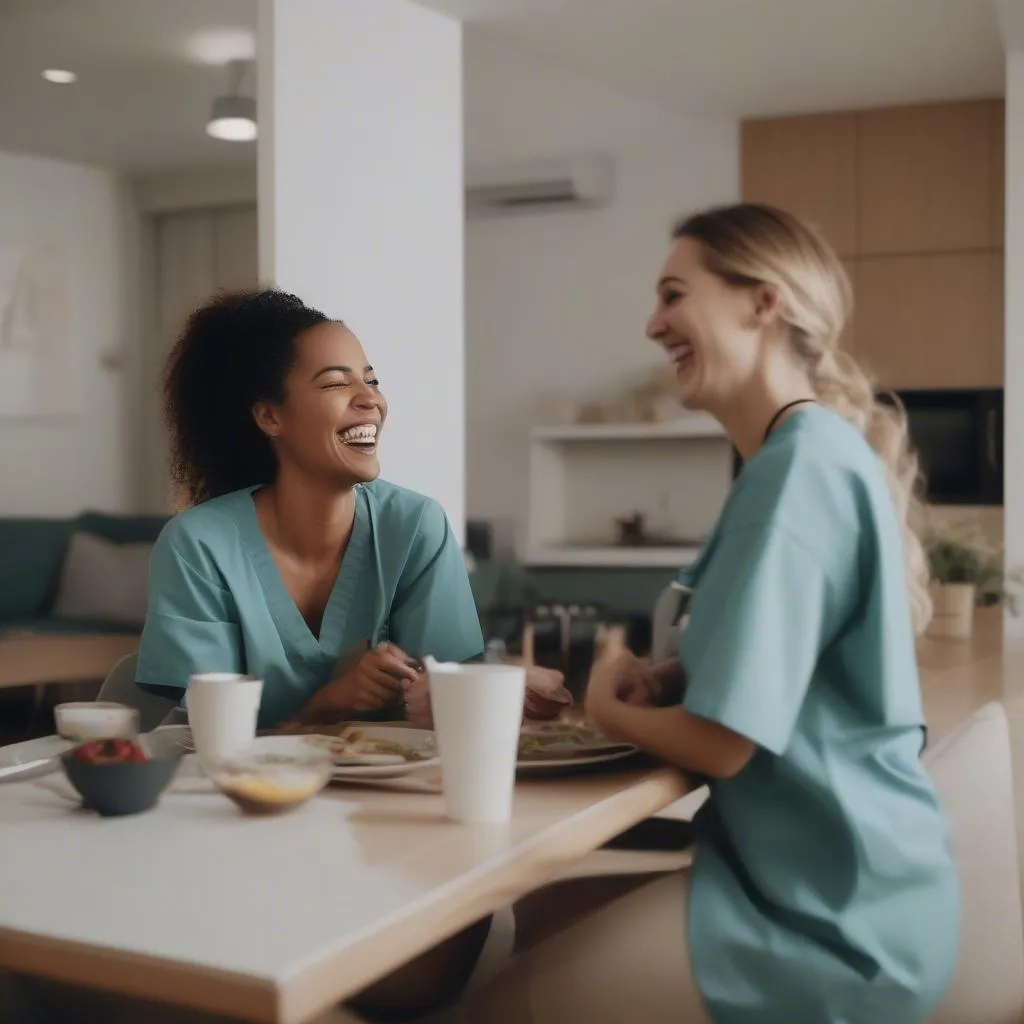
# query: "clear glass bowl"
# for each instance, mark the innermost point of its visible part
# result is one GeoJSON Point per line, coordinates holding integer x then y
{"type": "Point", "coordinates": [273, 775]}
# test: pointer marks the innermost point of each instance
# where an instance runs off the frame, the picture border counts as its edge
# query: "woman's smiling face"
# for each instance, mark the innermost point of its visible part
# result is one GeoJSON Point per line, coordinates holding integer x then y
{"type": "Point", "coordinates": [707, 326]}
{"type": "Point", "coordinates": [333, 411]}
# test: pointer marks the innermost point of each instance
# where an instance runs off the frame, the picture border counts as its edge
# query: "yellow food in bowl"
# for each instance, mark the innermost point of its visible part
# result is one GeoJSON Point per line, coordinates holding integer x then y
{"type": "Point", "coordinates": [271, 790]}
{"type": "Point", "coordinates": [260, 795]}
{"type": "Point", "coordinates": [274, 774]}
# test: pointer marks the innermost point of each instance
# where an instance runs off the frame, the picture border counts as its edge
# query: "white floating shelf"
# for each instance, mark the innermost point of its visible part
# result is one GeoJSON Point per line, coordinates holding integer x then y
{"type": "Point", "coordinates": [613, 557]}
{"type": "Point", "coordinates": [696, 426]}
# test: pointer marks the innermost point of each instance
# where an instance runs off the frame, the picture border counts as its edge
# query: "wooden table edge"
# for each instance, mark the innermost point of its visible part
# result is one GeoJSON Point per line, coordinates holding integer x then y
{"type": "Point", "coordinates": [140, 976]}
{"type": "Point", "coordinates": [346, 970]}
{"type": "Point", "coordinates": [349, 969]}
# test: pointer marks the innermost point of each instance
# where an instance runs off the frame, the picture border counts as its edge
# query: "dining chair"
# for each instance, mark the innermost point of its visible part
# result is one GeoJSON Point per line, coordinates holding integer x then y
{"type": "Point", "coordinates": [973, 775]}
{"type": "Point", "coordinates": [119, 687]}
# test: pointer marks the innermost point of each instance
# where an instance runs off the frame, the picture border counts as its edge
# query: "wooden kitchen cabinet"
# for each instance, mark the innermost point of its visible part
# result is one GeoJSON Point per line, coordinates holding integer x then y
{"type": "Point", "coordinates": [806, 165]}
{"type": "Point", "coordinates": [927, 178]}
{"type": "Point", "coordinates": [932, 321]}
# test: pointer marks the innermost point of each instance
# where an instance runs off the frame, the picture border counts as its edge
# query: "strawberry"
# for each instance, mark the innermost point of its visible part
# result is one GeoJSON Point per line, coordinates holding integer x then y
{"type": "Point", "coordinates": [111, 752]}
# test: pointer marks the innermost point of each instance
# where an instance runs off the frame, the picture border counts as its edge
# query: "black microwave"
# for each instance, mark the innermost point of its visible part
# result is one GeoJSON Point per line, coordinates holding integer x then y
{"type": "Point", "coordinates": [958, 435]}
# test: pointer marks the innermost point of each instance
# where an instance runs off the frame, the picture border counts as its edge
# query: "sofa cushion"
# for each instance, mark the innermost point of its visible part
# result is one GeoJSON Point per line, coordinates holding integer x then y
{"type": "Point", "coordinates": [122, 529]}
{"type": "Point", "coordinates": [31, 554]}
{"type": "Point", "coordinates": [105, 581]}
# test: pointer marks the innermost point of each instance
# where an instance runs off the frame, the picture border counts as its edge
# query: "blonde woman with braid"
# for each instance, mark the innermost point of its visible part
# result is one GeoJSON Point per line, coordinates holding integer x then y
{"type": "Point", "coordinates": [823, 889]}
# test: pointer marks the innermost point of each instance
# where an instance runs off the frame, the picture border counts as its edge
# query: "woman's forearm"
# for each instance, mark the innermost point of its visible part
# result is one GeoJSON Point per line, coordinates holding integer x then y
{"type": "Point", "coordinates": [339, 701]}
{"type": "Point", "coordinates": [684, 740]}
{"type": "Point", "coordinates": [321, 707]}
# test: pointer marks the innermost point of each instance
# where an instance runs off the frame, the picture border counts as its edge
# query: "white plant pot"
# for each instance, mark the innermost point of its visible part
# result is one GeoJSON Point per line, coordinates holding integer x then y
{"type": "Point", "coordinates": [953, 610]}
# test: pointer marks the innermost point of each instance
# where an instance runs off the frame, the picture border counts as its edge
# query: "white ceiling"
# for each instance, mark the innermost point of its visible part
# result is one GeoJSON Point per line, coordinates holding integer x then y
{"type": "Point", "coordinates": [751, 57]}
{"type": "Point", "coordinates": [144, 92]}
{"type": "Point", "coordinates": [142, 98]}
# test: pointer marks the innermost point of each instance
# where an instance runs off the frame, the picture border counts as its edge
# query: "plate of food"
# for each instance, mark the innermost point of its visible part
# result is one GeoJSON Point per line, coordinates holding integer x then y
{"type": "Point", "coordinates": [562, 747]}
{"type": "Point", "coordinates": [378, 751]}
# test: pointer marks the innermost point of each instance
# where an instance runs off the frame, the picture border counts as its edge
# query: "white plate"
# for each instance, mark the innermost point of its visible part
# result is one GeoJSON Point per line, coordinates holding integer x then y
{"type": "Point", "coordinates": [562, 744]}
{"type": "Point", "coordinates": [567, 765]}
{"type": "Point", "coordinates": [419, 739]}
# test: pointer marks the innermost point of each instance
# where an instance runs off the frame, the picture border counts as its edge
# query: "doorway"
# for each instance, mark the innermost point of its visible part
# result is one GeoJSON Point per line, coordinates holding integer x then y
{"type": "Point", "coordinates": [195, 254]}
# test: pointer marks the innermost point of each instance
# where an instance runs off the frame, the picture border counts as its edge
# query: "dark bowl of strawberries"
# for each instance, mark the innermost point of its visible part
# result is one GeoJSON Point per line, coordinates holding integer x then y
{"type": "Point", "coordinates": [116, 776]}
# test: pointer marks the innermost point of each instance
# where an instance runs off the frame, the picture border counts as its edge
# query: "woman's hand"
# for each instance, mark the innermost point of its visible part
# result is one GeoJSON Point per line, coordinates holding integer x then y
{"type": "Point", "coordinates": [372, 682]}
{"type": "Point", "coordinates": [640, 683]}
{"type": "Point", "coordinates": [417, 702]}
{"type": "Point", "coordinates": [617, 693]}
{"type": "Point", "coordinates": [546, 695]}
{"type": "Point", "coordinates": [622, 679]}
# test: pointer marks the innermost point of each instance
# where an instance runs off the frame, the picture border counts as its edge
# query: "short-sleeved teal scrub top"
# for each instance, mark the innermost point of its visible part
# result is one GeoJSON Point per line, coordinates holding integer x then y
{"type": "Point", "coordinates": [824, 890]}
{"type": "Point", "coordinates": [217, 602]}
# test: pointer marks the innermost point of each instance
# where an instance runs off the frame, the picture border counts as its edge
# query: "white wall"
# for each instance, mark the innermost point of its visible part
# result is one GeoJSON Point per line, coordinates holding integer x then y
{"type": "Point", "coordinates": [1013, 499]}
{"type": "Point", "coordinates": [360, 168]}
{"type": "Point", "coordinates": [59, 466]}
{"type": "Point", "coordinates": [174, 191]}
{"type": "Point", "coordinates": [556, 302]}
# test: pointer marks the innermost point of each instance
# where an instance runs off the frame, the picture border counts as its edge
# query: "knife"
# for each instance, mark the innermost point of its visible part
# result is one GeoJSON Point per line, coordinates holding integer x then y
{"type": "Point", "coordinates": [31, 769]}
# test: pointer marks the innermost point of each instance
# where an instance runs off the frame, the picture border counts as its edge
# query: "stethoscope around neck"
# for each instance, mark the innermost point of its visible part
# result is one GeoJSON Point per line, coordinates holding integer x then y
{"type": "Point", "coordinates": [779, 413]}
{"type": "Point", "coordinates": [737, 459]}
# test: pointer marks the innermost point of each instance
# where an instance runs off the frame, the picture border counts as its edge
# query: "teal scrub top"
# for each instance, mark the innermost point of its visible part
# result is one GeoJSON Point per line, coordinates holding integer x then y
{"type": "Point", "coordinates": [824, 890]}
{"type": "Point", "coordinates": [217, 602]}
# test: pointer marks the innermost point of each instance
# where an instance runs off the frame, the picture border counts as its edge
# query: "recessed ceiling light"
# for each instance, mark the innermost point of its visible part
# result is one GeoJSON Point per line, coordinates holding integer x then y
{"type": "Point", "coordinates": [59, 76]}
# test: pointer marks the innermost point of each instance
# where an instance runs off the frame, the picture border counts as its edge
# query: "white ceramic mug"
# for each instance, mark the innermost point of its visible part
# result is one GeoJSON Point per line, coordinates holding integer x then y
{"type": "Point", "coordinates": [222, 712]}
{"type": "Point", "coordinates": [478, 712]}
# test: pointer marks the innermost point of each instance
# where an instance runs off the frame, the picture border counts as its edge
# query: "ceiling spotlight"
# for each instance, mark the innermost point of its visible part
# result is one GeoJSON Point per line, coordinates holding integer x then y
{"type": "Point", "coordinates": [233, 116]}
{"type": "Point", "coordinates": [59, 76]}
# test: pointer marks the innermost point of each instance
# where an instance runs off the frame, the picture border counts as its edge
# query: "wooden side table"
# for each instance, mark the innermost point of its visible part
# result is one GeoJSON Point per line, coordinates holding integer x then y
{"type": "Point", "coordinates": [40, 660]}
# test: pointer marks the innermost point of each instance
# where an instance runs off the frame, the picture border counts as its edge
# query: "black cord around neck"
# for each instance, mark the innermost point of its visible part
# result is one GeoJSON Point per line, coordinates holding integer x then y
{"type": "Point", "coordinates": [779, 413]}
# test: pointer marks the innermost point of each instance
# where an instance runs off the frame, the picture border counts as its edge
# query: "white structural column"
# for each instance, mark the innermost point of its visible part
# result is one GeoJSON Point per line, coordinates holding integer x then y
{"type": "Point", "coordinates": [361, 206]}
{"type": "Point", "coordinates": [1012, 19]}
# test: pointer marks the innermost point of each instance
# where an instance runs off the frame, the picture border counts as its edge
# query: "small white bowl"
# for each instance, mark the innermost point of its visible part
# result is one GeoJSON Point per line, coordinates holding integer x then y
{"type": "Point", "coordinates": [96, 720]}
{"type": "Point", "coordinates": [273, 774]}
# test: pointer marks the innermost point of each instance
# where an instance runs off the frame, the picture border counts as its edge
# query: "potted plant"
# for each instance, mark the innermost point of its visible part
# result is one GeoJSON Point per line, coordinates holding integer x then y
{"type": "Point", "coordinates": [966, 570]}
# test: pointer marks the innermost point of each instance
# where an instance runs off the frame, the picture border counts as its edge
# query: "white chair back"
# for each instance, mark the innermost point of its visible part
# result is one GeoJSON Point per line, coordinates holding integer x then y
{"type": "Point", "coordinates": [119, 686]}
{"type": "Point", "coordinates": [973, 774]}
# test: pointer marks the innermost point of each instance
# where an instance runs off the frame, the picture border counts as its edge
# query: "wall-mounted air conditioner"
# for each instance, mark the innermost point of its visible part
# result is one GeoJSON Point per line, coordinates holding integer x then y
{"type": "Point", "coordinates": [544, 185]}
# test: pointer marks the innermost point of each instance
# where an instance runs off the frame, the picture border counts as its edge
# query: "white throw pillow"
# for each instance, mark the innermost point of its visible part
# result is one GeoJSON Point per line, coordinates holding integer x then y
{"type": "Point", "coordinates": [102, 581]}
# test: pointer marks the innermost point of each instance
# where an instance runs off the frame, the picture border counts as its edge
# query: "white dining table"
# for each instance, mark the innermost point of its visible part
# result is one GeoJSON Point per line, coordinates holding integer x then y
{"type": "Point", "coordinates": [276, 919]}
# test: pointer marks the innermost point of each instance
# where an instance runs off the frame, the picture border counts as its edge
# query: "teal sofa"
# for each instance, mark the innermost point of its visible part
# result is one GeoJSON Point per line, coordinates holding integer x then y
{"type": "Point", "coordinates": [32, 552]}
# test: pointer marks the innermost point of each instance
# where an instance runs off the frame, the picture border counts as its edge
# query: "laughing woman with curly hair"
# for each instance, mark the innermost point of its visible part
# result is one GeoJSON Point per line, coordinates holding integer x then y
{"type": "Point", "coordinates": [295, 562]}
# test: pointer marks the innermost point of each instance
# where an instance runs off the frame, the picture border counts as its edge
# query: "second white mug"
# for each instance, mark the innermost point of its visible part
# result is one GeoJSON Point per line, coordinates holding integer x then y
{"type": "Point", "coordinates": [222, 711]}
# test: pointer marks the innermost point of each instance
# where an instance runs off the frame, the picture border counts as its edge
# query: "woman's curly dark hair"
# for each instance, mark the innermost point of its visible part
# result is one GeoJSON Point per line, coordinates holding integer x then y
{"type": "Point", "coordinates": [234, 351]}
